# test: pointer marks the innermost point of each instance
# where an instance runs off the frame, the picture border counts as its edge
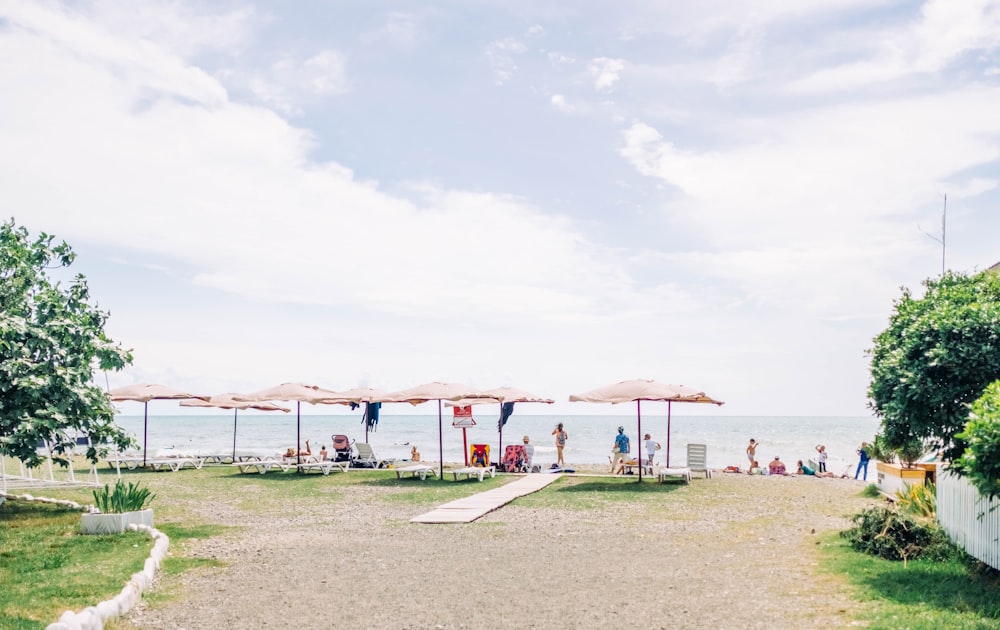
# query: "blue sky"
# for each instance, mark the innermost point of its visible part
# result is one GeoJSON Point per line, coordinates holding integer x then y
{"type": "Point", "coordinates": [727, 195]}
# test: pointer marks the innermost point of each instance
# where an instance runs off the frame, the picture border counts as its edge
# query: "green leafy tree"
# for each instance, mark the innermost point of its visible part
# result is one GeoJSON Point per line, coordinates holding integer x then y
{"type": "Point", "coordinates": [980, 462]}
{"type": "Point", "coordinates": [51, 341]}
{"type": "Point", "coordinates": [936, 357]}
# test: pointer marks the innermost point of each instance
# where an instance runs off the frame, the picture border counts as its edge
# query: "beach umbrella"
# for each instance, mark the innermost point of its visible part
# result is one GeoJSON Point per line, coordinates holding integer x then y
{"type": "Point", "coordinates": [298, 392]}
{"type": "Point", "coordinates": [436, 391]}
{"type": "Point", "coordinates": [227, 401]}
{"type": "Point", "coordinates": [638, 390]}
{"type": "Point", "coordinates": [144, 393]}
{"type": "Point", "coordinates": [505, 396]}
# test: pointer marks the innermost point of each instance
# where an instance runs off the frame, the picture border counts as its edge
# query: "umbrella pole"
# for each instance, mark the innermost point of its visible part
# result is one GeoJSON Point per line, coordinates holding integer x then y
{"type": "Point", "coordinates": [235, 411]}
{"type": "Point", "coordinates": [298, 434]}
{"type": "Point", "coordinates": [668, 434]}
{"type": "Point", "coordinates": [465, 444]}
{"type": "Point", "coordinates": [500, 428]}
{"type": "Point", "coordinates": [638, 450]}
{"type": "Point", "coordinates": [440, 443]}
{"type": "Point", "coordinates": [145, 422]}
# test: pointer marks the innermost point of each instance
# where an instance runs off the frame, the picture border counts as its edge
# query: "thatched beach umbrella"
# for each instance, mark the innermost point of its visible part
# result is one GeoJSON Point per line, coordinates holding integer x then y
{"type": "Point", "coordinates": [639, 390]}
{"type": "Point", "coordinates": [144, 393]}
{"type": "Point", "coordinates": [436, 391]}
{"type": "Point", "coordinates": [228, 401]}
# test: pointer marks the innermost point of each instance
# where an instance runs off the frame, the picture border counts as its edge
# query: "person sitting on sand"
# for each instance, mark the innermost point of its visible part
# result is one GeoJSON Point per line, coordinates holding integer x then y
{"type": "Point", "coordinates": [529, 454]}
{"type": "Point", "coordinates": [805, 470]}
{"type": "Point", "coordinates": [414, 454]}
{"type": "Point", "coordinates": [776, 467]}
{"type": "Point", "coordinates": [755, 468]}
{"type": "Point", "coordinates": [322, 453]}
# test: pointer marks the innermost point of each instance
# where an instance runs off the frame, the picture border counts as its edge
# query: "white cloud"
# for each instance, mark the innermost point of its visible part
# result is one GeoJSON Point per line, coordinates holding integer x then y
{"type": "Point", "coordinates": [605, 72]}
{"type": "Point", "coordinates": [559, 102]}
{"type": "Point", "coordinates": [501, 55]}
{"type": "Point", "coordinates": [943, 33]}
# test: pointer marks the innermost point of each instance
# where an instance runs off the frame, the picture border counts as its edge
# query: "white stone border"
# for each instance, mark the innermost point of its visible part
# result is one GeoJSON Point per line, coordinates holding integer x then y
{"type": "Point", "coordinates": [93, 617]}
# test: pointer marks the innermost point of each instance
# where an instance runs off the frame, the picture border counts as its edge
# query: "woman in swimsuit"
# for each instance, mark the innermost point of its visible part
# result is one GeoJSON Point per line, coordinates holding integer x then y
{"type": "Point", "coordinates": [561, 436]}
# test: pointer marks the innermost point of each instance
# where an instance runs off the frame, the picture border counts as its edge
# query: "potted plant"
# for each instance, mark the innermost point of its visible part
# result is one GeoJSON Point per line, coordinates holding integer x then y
{"type": "Point", "coordinates": [899, 470]}
{"type": "Point", "coordinates": [118, 508]}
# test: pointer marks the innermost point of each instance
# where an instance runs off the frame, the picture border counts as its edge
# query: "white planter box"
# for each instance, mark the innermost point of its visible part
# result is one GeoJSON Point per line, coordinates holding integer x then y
{"type": "Point", "coordinates": [114, 523]}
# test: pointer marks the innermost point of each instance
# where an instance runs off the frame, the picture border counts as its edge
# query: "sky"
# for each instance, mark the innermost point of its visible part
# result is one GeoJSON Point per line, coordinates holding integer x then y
{"type": "Point", "coordinates": [553, 196]}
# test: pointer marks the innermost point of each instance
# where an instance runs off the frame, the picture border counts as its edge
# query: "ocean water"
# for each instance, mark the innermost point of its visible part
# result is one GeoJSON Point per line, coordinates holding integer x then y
{"type": "Point", "coordinates": [591, 437]}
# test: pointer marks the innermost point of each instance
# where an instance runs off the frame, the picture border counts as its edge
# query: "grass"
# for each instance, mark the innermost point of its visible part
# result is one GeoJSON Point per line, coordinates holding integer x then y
{"type": "Point", "coordinates": [47, 567]}
{"type": "Point", "coordinates": [921, 595]}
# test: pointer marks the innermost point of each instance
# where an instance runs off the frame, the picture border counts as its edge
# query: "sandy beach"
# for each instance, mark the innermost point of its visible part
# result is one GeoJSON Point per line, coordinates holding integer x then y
{"type": "Point", "coordinates": [733, 551]}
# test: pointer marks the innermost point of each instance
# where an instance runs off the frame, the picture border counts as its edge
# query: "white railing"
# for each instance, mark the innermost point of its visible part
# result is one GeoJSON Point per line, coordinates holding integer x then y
{"type": "Point", "coordinates": [972, 522]}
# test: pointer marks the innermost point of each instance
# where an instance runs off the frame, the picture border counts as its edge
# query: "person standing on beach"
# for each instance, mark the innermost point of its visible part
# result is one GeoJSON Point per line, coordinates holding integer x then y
{"type": "Point", "coordinates": [752, 453]}
{"type": "Point", "coordinates": [821, 460]}
{"type": "Point", "coordinates": [651, 447]}
{"type": "Point", "coordinates": [619, 451]}
{"type": "Point", "coordinates": [561, 436]}
{"type": "Point", "coordinates": [862, 461]}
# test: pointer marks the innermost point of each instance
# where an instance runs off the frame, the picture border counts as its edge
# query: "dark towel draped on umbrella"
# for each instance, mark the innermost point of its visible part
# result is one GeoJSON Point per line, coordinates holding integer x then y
{"type": "Point", "coordinates": [506, 411]}
{"type": "Point", "coordinates": [371, 415]}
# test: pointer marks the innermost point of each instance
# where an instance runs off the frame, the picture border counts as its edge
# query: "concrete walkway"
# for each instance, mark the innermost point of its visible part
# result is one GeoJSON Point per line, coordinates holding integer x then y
{"type": "Point", "coordinates": [470, 508]}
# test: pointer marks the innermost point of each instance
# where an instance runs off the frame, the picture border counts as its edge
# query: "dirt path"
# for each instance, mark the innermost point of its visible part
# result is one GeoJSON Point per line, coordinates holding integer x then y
{"type": "Point", "coordinates": [730, 552]}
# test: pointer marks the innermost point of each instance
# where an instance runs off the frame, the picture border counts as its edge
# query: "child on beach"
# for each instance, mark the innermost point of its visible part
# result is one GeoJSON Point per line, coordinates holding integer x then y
{"type": "Point", "coordinates": [414, 454]}
{"type": "Point", "coordinates": [821, 449]}
{"type": "Point", "coordinates": [651, 447]}
{"type": "Point", "coordinates": [322, 453]}
{"type": "Point", "coordinates": [752, 453]}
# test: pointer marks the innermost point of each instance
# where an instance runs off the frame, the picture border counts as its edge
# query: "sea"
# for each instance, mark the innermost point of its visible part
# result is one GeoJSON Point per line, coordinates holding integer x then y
{"type": "Point", "coordinates": [591, 437]}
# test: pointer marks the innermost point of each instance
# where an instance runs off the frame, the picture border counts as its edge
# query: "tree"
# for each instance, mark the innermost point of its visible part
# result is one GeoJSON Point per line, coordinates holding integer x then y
{"type": "Point", "coordinates": [51, 340]}
{"type": "Point", "coordinates": [936, 357]}
{"type": "Point", "coordinates": [980, 462]}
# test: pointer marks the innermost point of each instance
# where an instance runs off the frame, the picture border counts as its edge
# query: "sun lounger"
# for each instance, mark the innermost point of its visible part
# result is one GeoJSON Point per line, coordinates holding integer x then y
{"type": "Point", "coordinates": [175, 463]}
{"type": "Point", "coordinates": [683, 472]}
{"type": "Point", "coordinates": [326, 466]}
{"type": "Point", "coordinates": [473, 471]}
{"type": "Point", "coordinates": [262, 465]}
{"type": "Point", "coordinates": [416, 470]}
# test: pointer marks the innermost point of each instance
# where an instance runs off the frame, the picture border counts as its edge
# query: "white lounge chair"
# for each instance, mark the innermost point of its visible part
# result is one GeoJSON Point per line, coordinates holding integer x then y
{"type": "Point", "coordinates": [175, 463]}
{"type": "Point", "coordinates": [665, 473]}
{"type": "Point", "coordinates": [415, 470]}
{"type": "Point", "coordinates": [474, 471]}
{"type": "Point", "coordinates": [697, 459]}
{"type": "Point", "coordinates": [262, 465]}
{"type": "Point", "coordinates": [326, 466]}
{"type": "Point", "coordinates": [366, 457]}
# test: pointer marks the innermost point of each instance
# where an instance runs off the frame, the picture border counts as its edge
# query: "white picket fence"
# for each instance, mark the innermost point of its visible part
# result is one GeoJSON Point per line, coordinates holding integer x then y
{"type": "Point", "coordinates": [972, 522]}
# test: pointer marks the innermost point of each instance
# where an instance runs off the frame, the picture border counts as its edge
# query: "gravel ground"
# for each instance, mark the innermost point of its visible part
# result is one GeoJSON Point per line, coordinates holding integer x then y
{"type": "Point", "coordinates": [733, 551]}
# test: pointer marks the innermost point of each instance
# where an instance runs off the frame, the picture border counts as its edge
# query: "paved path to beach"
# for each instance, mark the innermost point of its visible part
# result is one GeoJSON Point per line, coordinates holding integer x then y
{"type": "Point", "coordinates": [730, 552]}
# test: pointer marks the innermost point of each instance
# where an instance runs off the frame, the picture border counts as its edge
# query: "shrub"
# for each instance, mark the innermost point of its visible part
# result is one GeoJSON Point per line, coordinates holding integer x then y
{"type": "Point", "coordinates": [871, 491]}
{"type": "Point", "coordinates": [123, 498]}
{"type": "Point", "coordinates": [917, 499]}
{"type": "Point", "coordinates": [887, 533]}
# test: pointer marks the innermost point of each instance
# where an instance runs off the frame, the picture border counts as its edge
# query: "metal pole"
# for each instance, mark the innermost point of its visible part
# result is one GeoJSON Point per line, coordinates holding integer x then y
{"type": "Point", "coordinates": [235, 411]}
{"type": "Point", "coordinates": [668, 434]}
{"type": "Point", "coordinates": [465, 445]}
{"type": "Point", "coordinates": [298, 435]}
{"type": "Point", "coordinates": [145, 421]}
{"type": "Point", "coordinates": [638, 451]}
{"type": "Point", "coordinates": [440, 443]}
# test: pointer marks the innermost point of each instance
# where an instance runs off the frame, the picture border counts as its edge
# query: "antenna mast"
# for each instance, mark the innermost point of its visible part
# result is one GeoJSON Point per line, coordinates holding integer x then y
{"type": "Point", "coordinates": [944, 218]}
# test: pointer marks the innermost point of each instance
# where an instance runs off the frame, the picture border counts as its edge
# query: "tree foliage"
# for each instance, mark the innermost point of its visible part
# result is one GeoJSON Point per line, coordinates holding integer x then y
{"type": "Point", "coordinates": [51, 340]}
{"type": "Point", "coordinates": [936, 357]}
{"type": "Point", "coordinates": [980, 462]}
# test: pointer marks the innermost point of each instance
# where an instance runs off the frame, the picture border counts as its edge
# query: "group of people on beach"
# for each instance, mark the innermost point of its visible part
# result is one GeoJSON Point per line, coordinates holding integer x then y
{"type": "Point", "coordinates": [777, 467]}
